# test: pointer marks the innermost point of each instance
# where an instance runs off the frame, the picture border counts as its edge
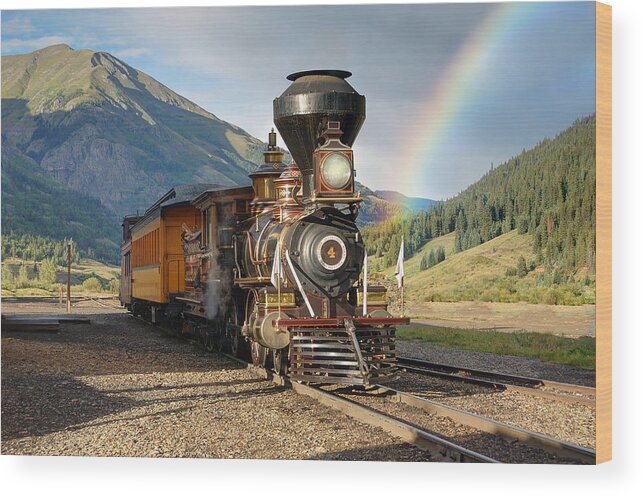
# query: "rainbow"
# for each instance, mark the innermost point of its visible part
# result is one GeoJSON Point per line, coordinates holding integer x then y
{"type": "Point", "coordinates": [447, 99]}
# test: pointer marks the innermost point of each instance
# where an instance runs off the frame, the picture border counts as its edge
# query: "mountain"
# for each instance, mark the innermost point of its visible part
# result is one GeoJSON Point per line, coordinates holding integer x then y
{"type": "Point", "coordinates": [548, 192]}
{"type": "Point", "coordinates": [100, 127]}
{"type": "Point", "coordinates": [414, 204]}
{"type": "Point", "coordinates": [87, 139]}
{"type": "Point", "coordinates": [374, 209]}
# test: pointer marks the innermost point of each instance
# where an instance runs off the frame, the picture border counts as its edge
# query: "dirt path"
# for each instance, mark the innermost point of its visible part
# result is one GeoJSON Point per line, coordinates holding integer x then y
{"type": "Point", "coordinates": [554, 319]}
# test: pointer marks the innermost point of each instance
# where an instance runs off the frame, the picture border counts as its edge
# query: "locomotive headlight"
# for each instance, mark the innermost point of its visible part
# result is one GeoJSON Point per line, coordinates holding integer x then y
{"type": "Point", "coordinates": [336, 171]}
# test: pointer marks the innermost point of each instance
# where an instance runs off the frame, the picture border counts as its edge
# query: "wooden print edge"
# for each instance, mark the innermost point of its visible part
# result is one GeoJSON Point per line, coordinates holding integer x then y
{"type": "Point", "coordinates": [603, 232]}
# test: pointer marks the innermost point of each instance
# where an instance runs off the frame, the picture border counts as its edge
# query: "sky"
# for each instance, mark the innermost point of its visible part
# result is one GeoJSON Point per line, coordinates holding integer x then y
{"type": "Point", "coordinates": [450, 88]}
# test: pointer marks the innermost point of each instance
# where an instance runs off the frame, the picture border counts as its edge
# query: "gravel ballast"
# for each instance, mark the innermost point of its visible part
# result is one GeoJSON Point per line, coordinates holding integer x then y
{"type": "Point", "coordinates": [506, 364]}
{"type": "Point", "coordinates": [571, 422]}
{"type": "Point", "coordinates": [118, 387]}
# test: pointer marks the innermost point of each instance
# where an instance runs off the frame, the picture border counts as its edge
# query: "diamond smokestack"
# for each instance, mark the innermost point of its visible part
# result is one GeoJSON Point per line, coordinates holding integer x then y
{"type": "Point", "coordinates": [302, 112]}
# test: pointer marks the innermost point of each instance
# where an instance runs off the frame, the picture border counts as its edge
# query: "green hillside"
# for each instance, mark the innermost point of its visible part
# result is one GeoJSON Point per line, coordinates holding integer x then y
{"type": "Point", "coordinates": [548, 192]}
{"type": "Point", "coordinates": [489, 272]}
{"type": "Point", "coordinates": [36, 208]}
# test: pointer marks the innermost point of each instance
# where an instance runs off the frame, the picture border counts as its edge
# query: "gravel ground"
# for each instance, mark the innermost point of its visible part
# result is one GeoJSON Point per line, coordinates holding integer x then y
{"type": "Point", "coordinates": [525, 366]}
{"type": "Point", "coordinates": [469, 437]}
{"type": "Point", "coordinates": [118, 387]}
{"type": "Point", "coordinates": [572, 422]}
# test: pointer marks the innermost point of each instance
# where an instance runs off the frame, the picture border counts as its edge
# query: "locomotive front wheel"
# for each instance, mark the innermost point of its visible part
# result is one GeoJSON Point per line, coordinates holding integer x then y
{"type": "Point", "coordinates": [280, 361]}
{"type": "Point", "coordinates": [259, 354]}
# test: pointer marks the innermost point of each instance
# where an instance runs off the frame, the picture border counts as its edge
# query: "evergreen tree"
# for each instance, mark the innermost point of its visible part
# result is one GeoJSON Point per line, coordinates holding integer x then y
{"type": "Point", "coordinates": [521, 267]}
{"type": "Point", "coordinates": [441, 254]}
{"type": "Point", "coordinates": [8, 279]}
{"type": "Point", "coordinates": [23, 277]}
{"type": "Point", "coordinates": [431, 258]}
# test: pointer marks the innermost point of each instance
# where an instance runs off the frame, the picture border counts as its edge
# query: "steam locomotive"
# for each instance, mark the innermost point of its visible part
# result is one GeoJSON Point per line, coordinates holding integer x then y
{"type": "Point", "coordinates": [271, 271]}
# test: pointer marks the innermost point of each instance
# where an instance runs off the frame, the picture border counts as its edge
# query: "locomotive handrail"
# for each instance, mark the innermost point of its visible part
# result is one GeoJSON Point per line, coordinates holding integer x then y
{"type": "Point", "coordinates": [250, 250]}
{"type": "Point", "coordinates": [301, 289]}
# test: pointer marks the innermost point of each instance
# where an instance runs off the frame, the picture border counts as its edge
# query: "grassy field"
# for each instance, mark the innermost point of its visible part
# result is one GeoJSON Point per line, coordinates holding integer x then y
{"type": "Point", "coordinates": [482, 273]}
{"type": "Point", "coordinates": [580, 352]}
{"type": "Point", "coordinates": [86, 269]}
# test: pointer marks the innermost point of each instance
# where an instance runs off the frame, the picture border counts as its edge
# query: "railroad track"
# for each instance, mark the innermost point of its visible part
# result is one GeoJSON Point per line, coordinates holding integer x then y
{"type": "Point", "coordinates": [511, 433]}
{"type": "Point", "coordinates": [440, 447]}
{"type": "Point", "coordinates": [102, 304]}
{"type": "Point", "coordinates": [559, 391]}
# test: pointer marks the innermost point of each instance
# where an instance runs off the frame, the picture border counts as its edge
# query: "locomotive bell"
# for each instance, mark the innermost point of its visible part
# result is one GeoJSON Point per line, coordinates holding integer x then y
{"type": "Point", "coordinates": [303, 111]}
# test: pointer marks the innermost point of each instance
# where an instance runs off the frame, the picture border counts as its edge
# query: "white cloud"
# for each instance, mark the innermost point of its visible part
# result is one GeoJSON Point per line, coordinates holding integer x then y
{"type": "Point", "coordinates": [17, 26]}
{"type": "Point", "coordinates": [28, 45]}
{"type": "Point", "coordinates": [132, 52]}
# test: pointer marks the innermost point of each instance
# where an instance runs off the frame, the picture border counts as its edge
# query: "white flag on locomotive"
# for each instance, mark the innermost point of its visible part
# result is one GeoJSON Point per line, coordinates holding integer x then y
{"type": "Point", "coordinates": [277, 270]}
{"type": "Point", "coordinates": [399, 268]}
{"type": "Point", "coordinates": [365, 288]}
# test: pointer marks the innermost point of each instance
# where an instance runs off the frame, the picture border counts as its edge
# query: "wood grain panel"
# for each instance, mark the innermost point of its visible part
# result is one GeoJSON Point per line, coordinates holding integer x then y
{"type": "Point", "coordinates": [603, 232]}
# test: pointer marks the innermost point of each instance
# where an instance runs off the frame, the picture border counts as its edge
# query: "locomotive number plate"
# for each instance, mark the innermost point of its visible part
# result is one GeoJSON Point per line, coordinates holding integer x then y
{"type": "Point", "coordinates": [331, 252]}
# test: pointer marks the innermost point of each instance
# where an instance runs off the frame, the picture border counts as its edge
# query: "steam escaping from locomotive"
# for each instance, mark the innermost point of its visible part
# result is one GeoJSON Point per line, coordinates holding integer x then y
{"type": "Point", "coordinates": [216, 291]}
{"type": "Point", "coordinates": [218, 279]}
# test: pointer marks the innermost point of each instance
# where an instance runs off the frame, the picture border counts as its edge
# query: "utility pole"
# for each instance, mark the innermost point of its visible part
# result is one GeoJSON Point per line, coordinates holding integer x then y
{"type": "Point", "coordinates": [69, 276]}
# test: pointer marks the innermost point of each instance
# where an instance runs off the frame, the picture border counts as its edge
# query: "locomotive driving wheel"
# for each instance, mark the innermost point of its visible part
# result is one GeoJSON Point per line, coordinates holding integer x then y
{"type": "Point", "coordinates": [238, 345]}
{"type": "Point", "coordinates": [219, 341]}
{"type": "Point", "coordinates": [210, 341]}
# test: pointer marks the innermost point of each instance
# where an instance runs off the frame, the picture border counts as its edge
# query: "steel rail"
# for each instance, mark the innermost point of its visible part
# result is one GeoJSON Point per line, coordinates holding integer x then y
{"type": "Point", "coordinates": [440, 449]}
{"type": "Point", "coordinates": [509, 432]}
{"type": "Point", "coordinates": [505, 382]}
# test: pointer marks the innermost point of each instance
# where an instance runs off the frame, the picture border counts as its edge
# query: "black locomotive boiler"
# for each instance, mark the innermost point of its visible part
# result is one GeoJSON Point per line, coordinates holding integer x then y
{"type": "Point", "coordinates": [272, 271]}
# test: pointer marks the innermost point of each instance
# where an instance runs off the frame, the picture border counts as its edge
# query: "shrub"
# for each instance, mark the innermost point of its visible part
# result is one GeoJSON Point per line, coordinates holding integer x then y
{"type": "Point", "coordinates": [553, 296]}
{"type": "Point", "coordinates": [47, 273]}
{"type": "Point", "coordinates": [114, 286]}
{"type": "Point", "coordinates": [92, 285]}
